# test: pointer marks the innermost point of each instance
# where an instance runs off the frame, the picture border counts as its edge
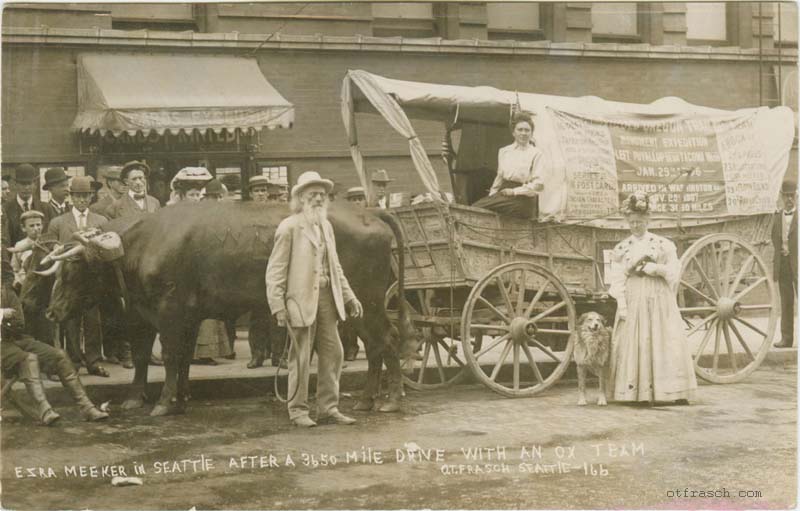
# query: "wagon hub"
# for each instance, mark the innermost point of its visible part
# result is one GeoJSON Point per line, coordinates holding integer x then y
{"type": "Point", "coordinates": [522, 330]}
{"type": "Point", "coordinates": [728, 308]}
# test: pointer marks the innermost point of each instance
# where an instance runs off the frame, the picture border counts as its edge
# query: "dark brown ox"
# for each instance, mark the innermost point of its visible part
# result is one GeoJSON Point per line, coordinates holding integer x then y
{"type": "Point", "coordinates": [192, 262]}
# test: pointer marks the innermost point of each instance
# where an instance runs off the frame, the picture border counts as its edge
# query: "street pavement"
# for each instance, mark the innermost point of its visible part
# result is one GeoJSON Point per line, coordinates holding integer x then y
{"type": "Point", "coordinates": [738, 440]}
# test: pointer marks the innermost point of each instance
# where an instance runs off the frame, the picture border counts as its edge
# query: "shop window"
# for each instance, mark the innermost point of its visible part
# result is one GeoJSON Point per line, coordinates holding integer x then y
{"type": "Point", "coordinates": [706, 23]}
{"type": "Point", "coordinates": [276, 173]}
{"type": "Point", "coordinates": [784, 27]}
{"type": "Point", "coordinates": [391, 19]}
{"type": "Point", "coordinates": [172, 17]}
{"type": "Point", "coordinates": [615, 22]}
{"type": "Point", "coordinates": [520, 21]}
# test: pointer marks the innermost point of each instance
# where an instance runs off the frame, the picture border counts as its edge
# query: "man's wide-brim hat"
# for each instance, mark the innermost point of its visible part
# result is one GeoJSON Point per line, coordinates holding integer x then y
{"type": "Point", "coordinates": [381, 176]}
{"type": "Point", "coordinates": [25, 173]}
{"type": "Point", "coordinates": [788, 188]}
{"type": "Point", "coordinates": [54, 176]}
{"type": "Point", "coordinates": [311, 178]}
{"type": "Point", "coordinates": [134, 165]}
{"type": "Point", "coordinates": [84, 184]}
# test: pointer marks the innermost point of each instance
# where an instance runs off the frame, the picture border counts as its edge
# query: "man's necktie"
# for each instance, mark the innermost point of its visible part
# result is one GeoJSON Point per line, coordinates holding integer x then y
{"type": "Point", "coordinates": [83, 221]}
{"type": "Point", "coordinates": [25, 206]}
{"type": "Point", "coordinates": [138, 196]}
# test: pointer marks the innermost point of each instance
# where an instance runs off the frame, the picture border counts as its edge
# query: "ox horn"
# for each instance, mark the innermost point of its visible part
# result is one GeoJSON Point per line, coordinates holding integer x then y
{"type": "Point", "coordinates": [77, 249]}
{"type": "Point", "coordinates": [80, 237]}
{"type": "Point", "coordinates": [49, 271]}
{"type": "Point", "coordinates": [49, 257]}
{"type": "Point", "coordinates": [26, 244]}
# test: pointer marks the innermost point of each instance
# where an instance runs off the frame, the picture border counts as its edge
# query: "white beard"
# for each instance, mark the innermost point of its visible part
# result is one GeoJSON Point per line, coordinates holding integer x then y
{"type": "Point", "coordinates": [315, 215]}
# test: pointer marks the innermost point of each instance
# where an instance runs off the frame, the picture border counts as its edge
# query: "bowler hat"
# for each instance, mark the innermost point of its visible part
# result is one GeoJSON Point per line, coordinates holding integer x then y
{"type": "Point", "coordinates": [113, 173]}
{"type": "Point", "coordinates": [84, 184]}
{"type": "Point", "coordinates": [356, 191]}
{"type": "Point", "coordinates": [31, 213]}
{"type": "Point", "coordinates": [25, 173]}
{"type": "Point", "coordinates": [788, 187]}
{"type": "Point", "coordinates": [310, 178]}
{"type": "Point", "coordinates": [134, 165]}
{"type": "Point", "coordinates": [214, 187]}
{"type": "Point", "coordinates": [54, 176]}
{"type": "Point", "coordinates": [381, 176]}
{"type": "Point", "coordinates": [258, 180]}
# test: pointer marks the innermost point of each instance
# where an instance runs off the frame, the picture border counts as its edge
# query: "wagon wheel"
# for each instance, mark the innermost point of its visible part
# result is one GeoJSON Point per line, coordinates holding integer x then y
{"type": "Point", "coordinates": [441, 363]}
{"type": "Point", "coordinates": [727, 295]}
{"type": "Point", "coordinates": [514, 310]}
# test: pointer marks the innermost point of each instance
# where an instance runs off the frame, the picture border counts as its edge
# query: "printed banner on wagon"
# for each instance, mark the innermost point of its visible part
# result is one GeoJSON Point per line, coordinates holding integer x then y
{"type": "Point", "coordinates": [695, 167]}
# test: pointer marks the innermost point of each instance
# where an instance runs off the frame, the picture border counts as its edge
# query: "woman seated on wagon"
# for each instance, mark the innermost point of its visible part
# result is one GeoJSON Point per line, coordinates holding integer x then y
{"type": "Point", "coordinates": [520, 174]}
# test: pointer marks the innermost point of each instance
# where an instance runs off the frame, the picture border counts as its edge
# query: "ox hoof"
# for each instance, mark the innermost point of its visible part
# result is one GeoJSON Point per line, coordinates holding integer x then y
{"type": "Point", "coordinates": [161, 410]}
{"type": "Point", "coordinates": [131, 404]}
{"type": "Point", "coordinates": [582, 402]}
{"type": "Point", "coordinates": [364, 405]}
{"type": "Point", "coordinates": [601, 402]}
{"type": "Point", "coordinates": [389, 407]}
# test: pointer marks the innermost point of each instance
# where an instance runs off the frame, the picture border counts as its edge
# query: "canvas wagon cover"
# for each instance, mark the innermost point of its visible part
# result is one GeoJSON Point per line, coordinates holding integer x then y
{"type": "Point", "coordinates": [695, 162]}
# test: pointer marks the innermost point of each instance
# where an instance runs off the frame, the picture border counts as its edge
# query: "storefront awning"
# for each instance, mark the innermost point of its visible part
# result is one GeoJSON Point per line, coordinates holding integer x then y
{"type": "Point", "coordinates": [168, 93]}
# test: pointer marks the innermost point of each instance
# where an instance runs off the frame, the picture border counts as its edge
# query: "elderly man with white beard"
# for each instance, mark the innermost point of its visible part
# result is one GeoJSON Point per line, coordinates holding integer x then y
{"type": "Point", "coordinates": [309, 293]}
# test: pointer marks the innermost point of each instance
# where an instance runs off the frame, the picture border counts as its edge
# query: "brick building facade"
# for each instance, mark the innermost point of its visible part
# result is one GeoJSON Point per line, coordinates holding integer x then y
{"type": "Point", "coordinates": [632, 52]}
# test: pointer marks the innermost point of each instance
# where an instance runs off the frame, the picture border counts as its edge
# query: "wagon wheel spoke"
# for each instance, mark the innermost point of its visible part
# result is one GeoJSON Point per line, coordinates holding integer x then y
{"type": "Point", "coordinates": [716, 346]}
{"type": "Point", "coordinates": [751, 326]}
{"type": "Point", "coordinates": [757, 307]}
{"type": "Point", "coordinates": [698, 309]}
{"type": "Point", "coordinates": [535, 300]}
{"type": "Point", "coordinates": [703, 343]}
{"type": "Point", "coordinates": [546, 350]}
{"type": "Point", "coordinates": [492, 346]}
{"type": "Point", "coordinates": [502, 328]}
{"type": "Point", "coordinates": [494, 309]}
{"type": "Point", "coordinates": [701, 324]}
{"type": "Point", "coordinates": [729, 345]}
{"type": "Point", "coordinates": [439, 365]}
{"type": "Point", "coordinates": [549, 311]}
{"type": "Point", "coordinates": [521, 293]}
{"type": "Point", "coordinates": [516, 366]}
{"type": "Point", "coordinates": [532, 363]}
{"type": "Point", "coordinates": [749, 288]}
{"type": "Point", "coordinates": [739, 276]}
{"type": "Point", "coordinates": [717, 272]}
{"type": "Point", "coordinates": [452, 353]}
{"type": "Point", "coordinates": [705, 277]}
{"type": "Point", "coordinates": [424, 363]}
{"type": "Point", "coordinates": [698, 292]}
{"type": "Point", "coordinates": [742, 342]}
{"type": "Point", "coordinates": [729, 267]}
{"type": "Point", "coordinates": [506, 298]}
{"type": "Point", "coordinates": [503, 357]}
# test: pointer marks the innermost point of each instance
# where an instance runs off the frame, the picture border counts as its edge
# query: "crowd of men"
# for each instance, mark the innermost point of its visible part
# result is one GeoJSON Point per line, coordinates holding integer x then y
{"type": "Point", "coordinates": [75, 204]}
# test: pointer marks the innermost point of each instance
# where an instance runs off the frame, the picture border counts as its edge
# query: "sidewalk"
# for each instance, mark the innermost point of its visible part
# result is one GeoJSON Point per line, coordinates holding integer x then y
{"type": "Point", "coordinates": [232, 379]}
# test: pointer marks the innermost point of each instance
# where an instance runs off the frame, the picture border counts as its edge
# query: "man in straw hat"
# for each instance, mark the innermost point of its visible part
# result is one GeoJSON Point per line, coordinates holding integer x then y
{"type": "Point", "coordinates": [784, 269]}
{"type": "Point", "coordinates": [356, 196]}
{"type": "Point", "coordinates": [309, 293]}
{"type": "Point", "coordinates": [136, 202]}
{"type": "Point", "coordinates": [81, 189]}
{"type": "Point", "coordinates": [23, 201]}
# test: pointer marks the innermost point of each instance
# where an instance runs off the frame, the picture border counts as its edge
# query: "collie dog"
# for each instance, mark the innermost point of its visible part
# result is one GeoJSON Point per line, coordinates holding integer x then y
{"type": "Point", "coordinates": [592, 352]}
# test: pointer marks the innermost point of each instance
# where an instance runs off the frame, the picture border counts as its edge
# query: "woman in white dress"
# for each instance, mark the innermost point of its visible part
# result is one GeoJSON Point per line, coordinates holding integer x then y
{"type": "Point", "coordinates": [650, 357]}
{"type": "Point", "coordinates": [520, 174]}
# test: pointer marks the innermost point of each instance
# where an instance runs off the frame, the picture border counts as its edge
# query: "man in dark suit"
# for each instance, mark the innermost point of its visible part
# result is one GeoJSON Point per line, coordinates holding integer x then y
{"type": "Point", "coordinates": [136, 201]}
{"type": "Point", "coordinates": [62, 228]}
{"type": "Point", "coordinates": [784, 269]}
{"type": "Point", "coordinates": [23, 201]}
{"type": "Point", "coordinates": [56, 182]}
